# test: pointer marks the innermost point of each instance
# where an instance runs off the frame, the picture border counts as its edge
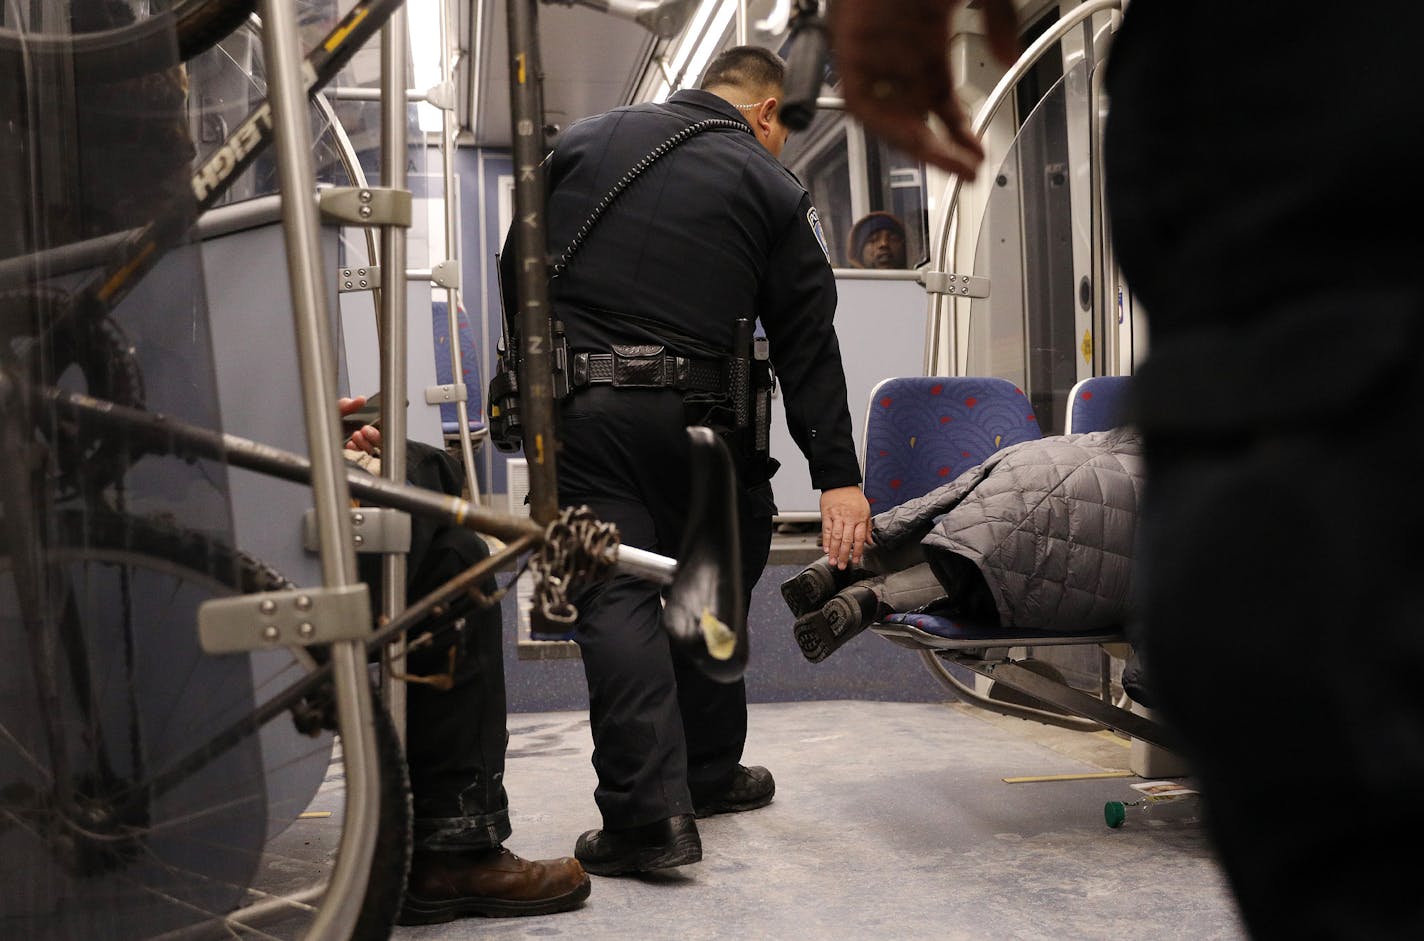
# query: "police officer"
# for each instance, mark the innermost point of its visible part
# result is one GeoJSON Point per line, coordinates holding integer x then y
{"type": "Point", "coordinates": [711, 231]}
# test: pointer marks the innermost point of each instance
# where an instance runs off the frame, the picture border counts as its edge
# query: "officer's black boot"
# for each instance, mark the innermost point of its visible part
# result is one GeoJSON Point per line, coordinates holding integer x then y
{"type": "Point", "coordinates": [853, 609]}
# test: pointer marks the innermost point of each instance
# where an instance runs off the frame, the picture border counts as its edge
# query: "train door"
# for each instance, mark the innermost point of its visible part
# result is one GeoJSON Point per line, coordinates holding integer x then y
{"type": "Point", "coordinates": [1033, 223]}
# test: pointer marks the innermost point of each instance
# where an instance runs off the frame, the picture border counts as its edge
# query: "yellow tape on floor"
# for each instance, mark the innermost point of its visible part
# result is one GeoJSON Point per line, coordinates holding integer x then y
{"type": "Point", "coordinates": [1090, 776]}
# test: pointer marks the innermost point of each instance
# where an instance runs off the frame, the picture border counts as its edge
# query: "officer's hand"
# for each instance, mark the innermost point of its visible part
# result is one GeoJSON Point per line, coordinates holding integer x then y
{"type": "Point", "coordinates": [366, 438]}
{"type": "Point", "coordinates": [845, 525]}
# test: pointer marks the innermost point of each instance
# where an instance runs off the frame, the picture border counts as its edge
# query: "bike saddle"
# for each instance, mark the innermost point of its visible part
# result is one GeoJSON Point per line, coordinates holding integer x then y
{"type": "Point", "coordinates": [705, 614]}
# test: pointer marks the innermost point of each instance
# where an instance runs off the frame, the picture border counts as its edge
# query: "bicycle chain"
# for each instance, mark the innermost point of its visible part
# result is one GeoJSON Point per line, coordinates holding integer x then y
{"type": "Point", "coordinates": [577, 551]}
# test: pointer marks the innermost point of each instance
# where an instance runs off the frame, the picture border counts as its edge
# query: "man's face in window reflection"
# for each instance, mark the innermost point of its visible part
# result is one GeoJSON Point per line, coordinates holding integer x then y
{"type": "Point", "coordinates": [884, 249]}
{"type": "Point", "coordinates": [877, 240]}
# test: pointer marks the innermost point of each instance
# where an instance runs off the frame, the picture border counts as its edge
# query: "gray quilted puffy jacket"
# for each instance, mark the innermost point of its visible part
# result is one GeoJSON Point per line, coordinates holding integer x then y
{"type": "Point", "coordinates": [1050, 523]}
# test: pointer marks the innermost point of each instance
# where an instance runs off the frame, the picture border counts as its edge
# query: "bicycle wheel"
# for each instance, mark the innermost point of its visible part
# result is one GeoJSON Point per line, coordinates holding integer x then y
{"type": "Point", "coordinates": [93, 851]}
{"type": "Point", "coordinates": [133, 49]}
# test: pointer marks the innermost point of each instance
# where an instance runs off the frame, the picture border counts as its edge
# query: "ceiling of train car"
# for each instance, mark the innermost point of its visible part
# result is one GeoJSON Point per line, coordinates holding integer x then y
{"type": "Point", "coordinates": [590, 60]}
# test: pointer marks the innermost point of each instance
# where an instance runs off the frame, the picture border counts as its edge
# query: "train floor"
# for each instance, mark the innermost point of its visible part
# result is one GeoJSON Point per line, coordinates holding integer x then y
{"type": "Point", "coordinates": [892, 820]}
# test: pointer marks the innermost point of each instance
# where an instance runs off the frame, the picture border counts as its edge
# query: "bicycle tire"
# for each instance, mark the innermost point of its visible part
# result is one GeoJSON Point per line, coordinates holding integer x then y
{"type": "Point", "coordinates": [135, 49]}
{"type": "Point", "coordinates": [385, 886]}
{"type": "Point", "coordinates": [110, 539]}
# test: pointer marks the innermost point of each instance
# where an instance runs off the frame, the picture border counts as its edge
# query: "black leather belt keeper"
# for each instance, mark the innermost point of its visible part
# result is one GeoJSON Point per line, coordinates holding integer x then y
{"type": "Point", "coordinates": [647, 367]}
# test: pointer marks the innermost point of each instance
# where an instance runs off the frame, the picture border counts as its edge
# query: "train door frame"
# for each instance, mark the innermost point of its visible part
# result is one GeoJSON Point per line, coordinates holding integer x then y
{"type": "Point", "coordinates": [1071, 33]}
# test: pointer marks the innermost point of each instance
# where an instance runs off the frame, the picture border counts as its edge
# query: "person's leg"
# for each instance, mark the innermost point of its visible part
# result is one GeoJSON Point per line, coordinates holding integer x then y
{"type": "Point", "coordinates": [456, 738]}
{"type": "Point", "coordinates": [1280, 551]}
{"type": "Point", "coordinates": [1314, 590]}
{"type": "Point", "coordinates": [638, 748]}
{"type": "Point", "coordinates": [625, 457]}
{"type": "Point", "coordinates": [817, 583]}
{"type": "Point", "coordinates": [854, 608]}
{"type": "Point", "coordinates": [714, 715]}
{"type": "Point", "coordinates": [455, 747]}
{"type": "Point", "coordinates": [639, 752]}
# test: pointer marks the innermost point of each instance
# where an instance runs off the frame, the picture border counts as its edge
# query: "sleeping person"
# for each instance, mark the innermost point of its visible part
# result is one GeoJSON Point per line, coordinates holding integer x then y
{"type": "Point", "coordinates": [1038, 536]}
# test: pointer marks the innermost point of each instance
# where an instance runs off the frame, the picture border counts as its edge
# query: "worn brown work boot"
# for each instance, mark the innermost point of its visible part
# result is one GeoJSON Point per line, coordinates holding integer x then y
{"type": "Point", "coordinates": [494, 883]}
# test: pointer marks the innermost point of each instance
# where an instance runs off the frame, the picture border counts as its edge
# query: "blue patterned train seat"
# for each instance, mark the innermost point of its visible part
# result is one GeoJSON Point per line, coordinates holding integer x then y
{"type": "Point", "coordinates": [923, 431]}
{"type": "Point", "coordinates": [470, 365]}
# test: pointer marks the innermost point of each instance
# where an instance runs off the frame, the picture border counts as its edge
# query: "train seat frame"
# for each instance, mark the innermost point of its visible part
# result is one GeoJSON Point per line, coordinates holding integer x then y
{"type": "Point", "coordinates": [923, 431]}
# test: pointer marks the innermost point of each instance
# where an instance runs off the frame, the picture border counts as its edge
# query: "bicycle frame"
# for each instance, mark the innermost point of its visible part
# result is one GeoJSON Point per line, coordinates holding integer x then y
{"type": "Point", "coordinates": [133, 254]}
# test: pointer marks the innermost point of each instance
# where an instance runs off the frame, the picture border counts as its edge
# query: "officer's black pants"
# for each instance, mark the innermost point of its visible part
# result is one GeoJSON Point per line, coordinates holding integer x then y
{"type": "Point", "coordinates": [664, 735]}
{"type": "Point", "coordinates": [455, 739]}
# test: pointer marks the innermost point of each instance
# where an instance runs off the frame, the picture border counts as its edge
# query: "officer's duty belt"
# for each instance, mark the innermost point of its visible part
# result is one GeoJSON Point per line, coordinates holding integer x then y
{"type": "Point", "coordinates": [647, 367]}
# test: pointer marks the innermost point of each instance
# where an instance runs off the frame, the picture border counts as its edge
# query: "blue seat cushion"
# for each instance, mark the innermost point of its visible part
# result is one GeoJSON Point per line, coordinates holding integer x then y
{"type": "Point", "coordinates": [470, 364]}
{"type": "Point", "coordinates": [1098, 403]}
{"type": "Point", "coordinates": [1013, 636]}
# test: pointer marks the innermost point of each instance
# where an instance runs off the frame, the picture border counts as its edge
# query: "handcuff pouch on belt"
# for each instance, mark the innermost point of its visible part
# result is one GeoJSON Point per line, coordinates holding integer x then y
{"type": "Point", "coordinates": [646, 366]}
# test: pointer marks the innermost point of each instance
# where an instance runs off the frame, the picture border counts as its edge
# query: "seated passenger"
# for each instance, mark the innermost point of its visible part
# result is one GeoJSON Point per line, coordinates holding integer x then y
{"type": "Point", "coordinates": [877, 240]}
{"type": "Point", "coordinates": [1039, 536]}
{"type": "Point", "coordinates": [456, 732]}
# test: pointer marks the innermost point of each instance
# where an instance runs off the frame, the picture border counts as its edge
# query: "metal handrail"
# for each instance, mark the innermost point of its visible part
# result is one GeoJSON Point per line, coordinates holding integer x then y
{"type": "Point", "coordinates": [336, 917]}
{"type": "Point", "coordinates": [395, 56]}
{"type": "Point", "coordinates": [947, 226]}
{"type": "Point", "coordinates": [448, 131]}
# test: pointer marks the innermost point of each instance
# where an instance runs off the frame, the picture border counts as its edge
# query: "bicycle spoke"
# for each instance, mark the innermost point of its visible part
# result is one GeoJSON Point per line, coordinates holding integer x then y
{"type": "Point", "coordinates": [205, 913]}
{"type": "Point", "coordinates": [170, 823]}
{"type": "Point", "coordinates": [25, 754]}
{"type": "Point", "coordinates": [239, 703]}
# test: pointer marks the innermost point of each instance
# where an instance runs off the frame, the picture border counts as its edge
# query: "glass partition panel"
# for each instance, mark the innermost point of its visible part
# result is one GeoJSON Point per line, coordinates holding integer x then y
{"type": "Point", "coordinates": [1026, 330]}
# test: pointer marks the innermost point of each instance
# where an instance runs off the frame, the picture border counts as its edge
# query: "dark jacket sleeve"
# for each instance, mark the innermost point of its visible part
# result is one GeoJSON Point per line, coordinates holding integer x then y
{"type": "Point", "coordinates": [797, 306]}
{"type": "Point", "coordinates": [507, 274]}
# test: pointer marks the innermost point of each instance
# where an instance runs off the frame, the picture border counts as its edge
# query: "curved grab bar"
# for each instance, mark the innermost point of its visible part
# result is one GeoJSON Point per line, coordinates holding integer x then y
{"type": "Point", "coordinates": [947, 224]}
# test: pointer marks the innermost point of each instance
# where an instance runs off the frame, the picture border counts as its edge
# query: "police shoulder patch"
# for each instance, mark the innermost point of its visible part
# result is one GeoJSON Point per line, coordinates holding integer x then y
{"type": "Point", "coordinates": [813, 218]}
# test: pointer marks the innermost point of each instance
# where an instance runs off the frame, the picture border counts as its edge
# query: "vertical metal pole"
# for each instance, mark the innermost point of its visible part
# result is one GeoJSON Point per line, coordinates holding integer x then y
{"type": "Point", "coordinates": [394, 112]}
{"type": "Point", "coordinates": [536, 391]}
{"type": "Point", "coordinates": [337, 915]}
{"type": "Point", "coordinates": [1109, 342]}
{"type": "Point", "coordinates": [452, 238]}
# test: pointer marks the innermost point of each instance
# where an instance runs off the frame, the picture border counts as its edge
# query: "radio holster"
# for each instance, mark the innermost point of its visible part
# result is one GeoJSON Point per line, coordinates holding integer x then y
{"type": "Point", "coordinates": [506, 430]}
{"type": "Point", "coordinates": [741, 415]}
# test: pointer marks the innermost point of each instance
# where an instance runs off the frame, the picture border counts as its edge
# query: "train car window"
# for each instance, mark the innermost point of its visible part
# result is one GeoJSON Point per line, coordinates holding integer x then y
{"type": "Point", "coordinates": [855, 179]}
{"type": "Point", "coordinates": [901, 184]}
{"type": "Point", "coordinates": [851, 176]}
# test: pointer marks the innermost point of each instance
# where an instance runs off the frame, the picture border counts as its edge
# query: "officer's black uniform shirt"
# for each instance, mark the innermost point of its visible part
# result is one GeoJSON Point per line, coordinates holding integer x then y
{"type": "Point", "coordinates": [713, 231]}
